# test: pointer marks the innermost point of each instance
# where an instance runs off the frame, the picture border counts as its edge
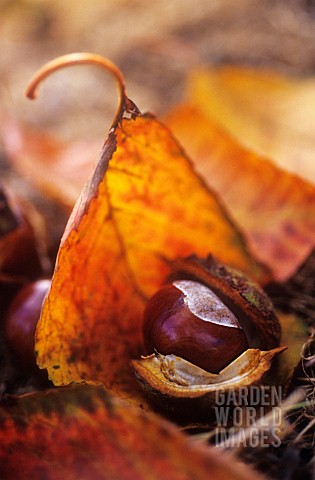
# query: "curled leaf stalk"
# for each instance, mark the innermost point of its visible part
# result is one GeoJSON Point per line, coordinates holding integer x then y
{"type": "Point", "coordinates": [125, 105]}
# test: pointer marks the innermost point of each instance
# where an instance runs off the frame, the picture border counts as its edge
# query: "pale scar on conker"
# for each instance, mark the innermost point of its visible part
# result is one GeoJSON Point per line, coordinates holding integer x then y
{"type": "Point", "coordinates": [187, 319]}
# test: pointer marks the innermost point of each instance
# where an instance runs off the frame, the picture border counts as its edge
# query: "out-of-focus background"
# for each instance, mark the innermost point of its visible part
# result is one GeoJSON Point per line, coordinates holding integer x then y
{"type": "Point", "coordinates": [154, 43]}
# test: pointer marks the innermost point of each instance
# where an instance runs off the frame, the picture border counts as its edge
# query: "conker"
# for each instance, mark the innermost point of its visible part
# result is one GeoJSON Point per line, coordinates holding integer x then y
{"type": "Point", "coordinates": [21, 320]}
{"type": "Point", "coordinates": [187, 319]}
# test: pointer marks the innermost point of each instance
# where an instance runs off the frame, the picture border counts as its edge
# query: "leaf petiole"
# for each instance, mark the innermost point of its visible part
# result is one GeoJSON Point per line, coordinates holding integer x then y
{"type": "Point", "coordinates": [72, 59]}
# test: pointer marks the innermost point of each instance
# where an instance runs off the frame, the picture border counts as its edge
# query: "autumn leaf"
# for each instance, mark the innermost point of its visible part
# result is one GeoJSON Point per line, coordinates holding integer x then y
{"type": "Point", "coordinates": [143, 207]}
{"type": "Point", "coordinates": [80, 432]}
{"type": "Point", "coordinates": [135, 222]}
{"type": "Point", "coordinates": [58, 169]}
{"type": "Point", "coordinates": [268, 112]}
{"type": "Point", "coordinates": [274, 208]}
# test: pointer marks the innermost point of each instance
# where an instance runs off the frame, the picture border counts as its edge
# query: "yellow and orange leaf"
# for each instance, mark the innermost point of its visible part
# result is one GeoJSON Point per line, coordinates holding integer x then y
{"type": "Point", "coordinates": [79, 432]}
{"type": "Point", "coordinates": [274, 208]}
{"type": "Point", "coordinates": [143, 207]}
{"type": "Point", "coordinates": [268, 112]}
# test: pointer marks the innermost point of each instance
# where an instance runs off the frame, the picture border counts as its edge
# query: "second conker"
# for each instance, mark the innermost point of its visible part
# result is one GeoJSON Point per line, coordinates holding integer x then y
{"type": "Point", "coordinates": [21, 320]}
{"type": "Point", "coordinates": [187, 319]}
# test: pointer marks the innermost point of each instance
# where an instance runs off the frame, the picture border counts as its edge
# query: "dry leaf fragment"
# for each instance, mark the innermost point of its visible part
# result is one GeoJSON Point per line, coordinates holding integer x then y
{"type": "Point", "coordinates": [294, 335]}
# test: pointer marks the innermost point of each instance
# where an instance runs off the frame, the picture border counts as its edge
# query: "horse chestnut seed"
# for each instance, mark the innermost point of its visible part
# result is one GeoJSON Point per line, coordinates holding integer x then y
{"type": "Point", "coordinates": [21, 320]}
{"type": "Point", "coordinates": [187, 319]}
